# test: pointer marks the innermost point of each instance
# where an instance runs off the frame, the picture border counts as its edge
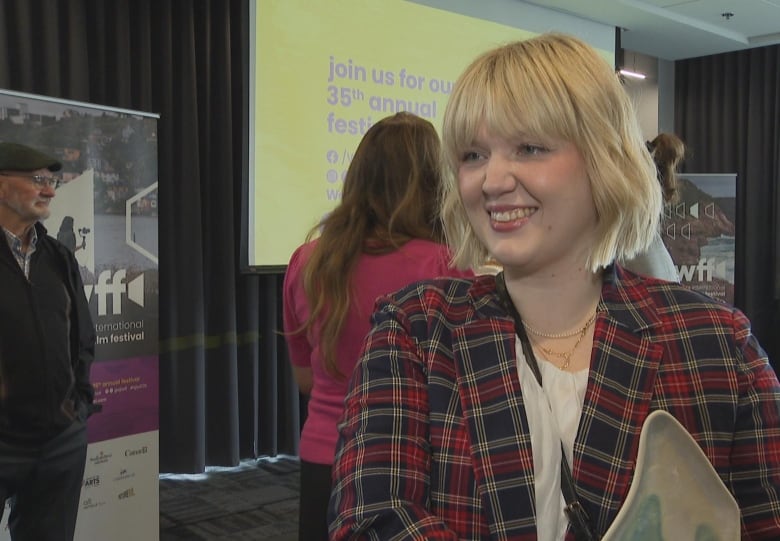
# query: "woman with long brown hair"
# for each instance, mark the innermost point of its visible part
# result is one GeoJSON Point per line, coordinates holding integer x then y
{"type": "Point", "coordinates": [383, 235]}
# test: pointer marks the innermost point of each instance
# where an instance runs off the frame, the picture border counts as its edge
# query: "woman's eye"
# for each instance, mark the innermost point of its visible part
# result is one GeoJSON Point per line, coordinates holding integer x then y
{"type": "Point", "coordinates": [531, 150]}
{"type": "Point", "coordinates": [470, 156]}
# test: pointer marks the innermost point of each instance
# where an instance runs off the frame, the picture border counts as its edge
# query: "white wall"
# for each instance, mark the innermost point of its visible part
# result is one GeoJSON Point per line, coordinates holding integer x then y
{"type": "Point", "coordinates": [529, 17]}
{"type": "Point", "coordinates": [653, 97]}
{"type": "Point", "coordinates": [643, 92]}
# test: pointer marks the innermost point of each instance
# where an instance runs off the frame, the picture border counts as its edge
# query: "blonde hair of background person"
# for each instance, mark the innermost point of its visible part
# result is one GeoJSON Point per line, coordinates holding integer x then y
{"type": "Point", "coordinates": [622, 173]}
{"type": "Point", "coordinates": [378, 213]}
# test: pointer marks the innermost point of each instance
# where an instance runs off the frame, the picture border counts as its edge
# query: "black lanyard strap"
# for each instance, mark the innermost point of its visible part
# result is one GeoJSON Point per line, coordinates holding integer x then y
{"type": "Point", "coordinates": [575, 512]}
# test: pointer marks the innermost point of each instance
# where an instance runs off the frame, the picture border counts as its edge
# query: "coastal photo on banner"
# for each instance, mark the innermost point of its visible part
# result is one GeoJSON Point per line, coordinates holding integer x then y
{"type": "Point", "coordinates": [699, 231]}
{"type": "Point", "coordinates": [106, 212]}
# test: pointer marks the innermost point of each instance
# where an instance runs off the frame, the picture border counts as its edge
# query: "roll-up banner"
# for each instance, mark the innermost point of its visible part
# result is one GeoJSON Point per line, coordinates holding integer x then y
{"type": "Point", "coordinates": [699, 230]}
{"type": "Point", "coordinates": [108, 203]}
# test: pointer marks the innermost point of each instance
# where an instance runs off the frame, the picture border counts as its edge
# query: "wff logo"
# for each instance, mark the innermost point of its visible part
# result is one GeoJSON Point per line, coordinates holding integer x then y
{"type": "Point", "coordinates": [705, 270]}
{"type": "Point", "coordinates": [115, 286]}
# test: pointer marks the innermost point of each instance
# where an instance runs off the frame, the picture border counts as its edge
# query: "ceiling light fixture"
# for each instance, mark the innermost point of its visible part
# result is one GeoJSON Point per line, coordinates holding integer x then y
{"type": "Point", "coordinates": [632, 74]}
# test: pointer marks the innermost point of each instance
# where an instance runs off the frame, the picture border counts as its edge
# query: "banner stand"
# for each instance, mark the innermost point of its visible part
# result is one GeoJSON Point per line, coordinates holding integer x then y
{"type": "Point", "coordinates": [108, 201]}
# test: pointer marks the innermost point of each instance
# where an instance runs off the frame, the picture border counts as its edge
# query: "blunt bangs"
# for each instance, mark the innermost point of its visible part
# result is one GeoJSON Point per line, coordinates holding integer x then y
{"type": "Point", "coordinates": [555, 87]}
{"type": "Point", "coordinates": [510, 92]}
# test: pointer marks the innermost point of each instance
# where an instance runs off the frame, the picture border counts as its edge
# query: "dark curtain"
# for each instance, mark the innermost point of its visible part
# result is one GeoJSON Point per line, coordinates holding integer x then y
{"type": "Point", "coordinates": [727, 109]}
{"type": "Point", "coordinates": [225, 387]}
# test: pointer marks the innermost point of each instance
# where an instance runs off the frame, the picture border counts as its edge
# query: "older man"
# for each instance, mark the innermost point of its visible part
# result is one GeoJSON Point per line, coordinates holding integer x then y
{"type": "Point", "coordinates": [47, 343]}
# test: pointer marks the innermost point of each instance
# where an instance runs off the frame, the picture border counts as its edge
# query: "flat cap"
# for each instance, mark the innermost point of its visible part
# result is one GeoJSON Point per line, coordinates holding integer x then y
{"type": "Point", "coordinates": [16, 157]}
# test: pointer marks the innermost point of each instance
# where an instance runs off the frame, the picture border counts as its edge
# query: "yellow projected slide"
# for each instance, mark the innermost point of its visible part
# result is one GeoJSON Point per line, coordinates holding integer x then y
{"type": "Point", "coordinates": [324, 73]}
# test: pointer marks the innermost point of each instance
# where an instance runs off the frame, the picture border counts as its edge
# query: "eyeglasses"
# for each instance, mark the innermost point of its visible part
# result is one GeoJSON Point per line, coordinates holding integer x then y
{"type": "Point", "coordinates": [40, 181]}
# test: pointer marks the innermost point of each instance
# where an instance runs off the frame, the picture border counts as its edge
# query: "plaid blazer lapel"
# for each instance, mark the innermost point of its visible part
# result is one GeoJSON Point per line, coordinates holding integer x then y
{"type": "Point", "coordinates": [623, 371]}
{"type": "Point", "coordinates": [491, 401]}
{"type": "Point", "coordinates": [620, 388]}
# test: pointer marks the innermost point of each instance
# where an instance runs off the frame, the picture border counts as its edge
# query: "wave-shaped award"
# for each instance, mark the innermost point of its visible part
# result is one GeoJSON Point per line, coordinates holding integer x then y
{"type": "Point", "coordinates": [676, 493]}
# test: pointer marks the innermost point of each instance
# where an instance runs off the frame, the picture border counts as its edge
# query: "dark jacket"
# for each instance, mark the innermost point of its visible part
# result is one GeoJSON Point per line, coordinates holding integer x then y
{"type": "Point", "coordinates": [43, 386]}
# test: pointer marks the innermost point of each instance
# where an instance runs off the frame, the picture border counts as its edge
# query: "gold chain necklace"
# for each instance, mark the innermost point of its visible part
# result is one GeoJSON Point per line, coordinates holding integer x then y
{"type": "Point", "coordinates": [566, 355]}
{"type": "Point", "coordinates": [567, 334]}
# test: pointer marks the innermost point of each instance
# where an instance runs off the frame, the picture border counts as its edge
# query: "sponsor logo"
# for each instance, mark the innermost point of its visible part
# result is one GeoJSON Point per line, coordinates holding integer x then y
{"type": "Point", "coordinates": [93, 481]}
{"type": "Point", "coordinates": [100, 458]}
{"type": "Point", "coordinates": [140, 451]}
{"type": "Point", "coordinates": [90, 503]}
{"type": "Point", "coordinates": [124, 474]}
{"type": "Point", "coordinates": [129, 493]}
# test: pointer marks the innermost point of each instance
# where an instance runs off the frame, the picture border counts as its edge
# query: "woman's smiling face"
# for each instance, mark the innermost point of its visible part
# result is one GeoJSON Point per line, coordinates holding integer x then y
{"type": "Point", "coordinates": [529, 200]}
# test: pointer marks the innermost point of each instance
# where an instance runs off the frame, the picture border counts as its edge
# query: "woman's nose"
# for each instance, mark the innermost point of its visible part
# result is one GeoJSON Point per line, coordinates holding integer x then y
{"type": "Point", "coordinates": [500, 175]}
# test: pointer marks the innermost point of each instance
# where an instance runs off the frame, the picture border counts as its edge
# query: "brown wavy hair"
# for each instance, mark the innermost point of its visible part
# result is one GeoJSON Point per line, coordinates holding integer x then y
{"type": "Point", "coordinates": [668, 152]}
{"type": "Point", "coordinates": [389, 197]}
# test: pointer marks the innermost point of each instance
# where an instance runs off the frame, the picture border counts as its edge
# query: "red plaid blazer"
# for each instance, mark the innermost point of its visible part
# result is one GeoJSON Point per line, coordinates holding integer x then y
{"type": "Point", "coordinates": [434, 442]}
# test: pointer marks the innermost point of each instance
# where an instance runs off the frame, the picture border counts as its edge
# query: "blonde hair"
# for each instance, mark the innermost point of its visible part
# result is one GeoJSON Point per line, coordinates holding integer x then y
{"type": "Point", "coordinates": [555, 86]}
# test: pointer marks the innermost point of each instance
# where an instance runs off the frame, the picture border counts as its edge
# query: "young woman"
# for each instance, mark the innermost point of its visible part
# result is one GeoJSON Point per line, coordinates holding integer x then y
{"type": "Point", "coordinates": [476, 399]}
{"type": "Point", "coordinates": [384, 234]}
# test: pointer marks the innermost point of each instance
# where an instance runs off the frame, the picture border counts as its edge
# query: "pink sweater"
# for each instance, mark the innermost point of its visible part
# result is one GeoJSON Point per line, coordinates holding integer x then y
{"type": "Point", "coordinates": [374, 276]}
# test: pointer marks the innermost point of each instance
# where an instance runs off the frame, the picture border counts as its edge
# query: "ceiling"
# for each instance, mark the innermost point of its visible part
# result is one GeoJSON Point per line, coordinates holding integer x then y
{"type": "Point", "coordinates": [676, 29]}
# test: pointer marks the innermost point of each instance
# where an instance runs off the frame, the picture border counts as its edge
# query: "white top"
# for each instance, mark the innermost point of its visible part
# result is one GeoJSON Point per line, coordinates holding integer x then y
{"type": "Point", "coordinates": [553, 417]}
{"type": "Point", "coordinates": [655, 262]}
